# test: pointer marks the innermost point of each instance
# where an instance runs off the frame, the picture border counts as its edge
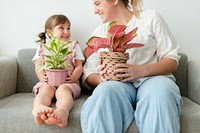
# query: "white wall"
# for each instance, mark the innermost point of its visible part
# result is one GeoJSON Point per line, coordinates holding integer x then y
{"type": "Point", "coordinates": [22, 20]}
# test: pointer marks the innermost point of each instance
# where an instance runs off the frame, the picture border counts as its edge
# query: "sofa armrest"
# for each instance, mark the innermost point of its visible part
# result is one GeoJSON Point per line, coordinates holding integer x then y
{"type": "Point", "coordinates": [8, 76]}
{"type": "Point", "coordinates": [194, 81]}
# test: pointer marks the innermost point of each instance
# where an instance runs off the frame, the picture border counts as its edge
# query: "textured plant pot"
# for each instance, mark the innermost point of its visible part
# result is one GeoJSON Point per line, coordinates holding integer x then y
{"type": "Point", "coordinates": [56, 77]}
{"type": "Point", "coordinates": [110, 59]}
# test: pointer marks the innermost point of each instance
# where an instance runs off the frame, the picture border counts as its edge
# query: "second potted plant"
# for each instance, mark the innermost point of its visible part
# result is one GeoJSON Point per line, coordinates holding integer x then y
{"type": "Point", "coordinates": [117, 42]}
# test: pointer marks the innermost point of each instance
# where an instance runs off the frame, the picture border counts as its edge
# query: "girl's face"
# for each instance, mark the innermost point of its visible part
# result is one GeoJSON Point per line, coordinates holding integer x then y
{"type": "Point", "coordinates": [105, 8]}
{"type": "Point", "coordinates": [62, 31]}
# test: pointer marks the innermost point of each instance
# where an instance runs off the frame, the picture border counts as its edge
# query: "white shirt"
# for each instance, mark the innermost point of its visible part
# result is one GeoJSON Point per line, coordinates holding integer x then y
{"type": "Point", "coordinates": [152, 32]}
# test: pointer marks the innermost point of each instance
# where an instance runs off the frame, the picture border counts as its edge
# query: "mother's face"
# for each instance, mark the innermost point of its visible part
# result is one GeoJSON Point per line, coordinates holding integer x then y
{"type": "Point", "coordinates": [104, 8]}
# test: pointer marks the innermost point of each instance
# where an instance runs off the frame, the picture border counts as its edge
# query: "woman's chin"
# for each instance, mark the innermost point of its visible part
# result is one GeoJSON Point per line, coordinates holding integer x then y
{"type": "Point", "coordinates": [104, 21]}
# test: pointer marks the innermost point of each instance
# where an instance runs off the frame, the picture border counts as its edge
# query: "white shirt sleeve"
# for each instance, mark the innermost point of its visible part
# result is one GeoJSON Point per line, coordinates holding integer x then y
{"type": "Point", "coordinates": [166, 44]}
{"type": "Point", "coordinates": [92, 62]}
{"type": "Point", "coordinates": [79, 54]}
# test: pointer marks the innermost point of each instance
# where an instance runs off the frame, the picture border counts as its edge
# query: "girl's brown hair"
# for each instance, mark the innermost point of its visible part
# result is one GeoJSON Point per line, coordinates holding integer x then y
{"type": "Point", "coordinates": [52, 22]}
{"type": "Point", "coordinates": [136, 6]}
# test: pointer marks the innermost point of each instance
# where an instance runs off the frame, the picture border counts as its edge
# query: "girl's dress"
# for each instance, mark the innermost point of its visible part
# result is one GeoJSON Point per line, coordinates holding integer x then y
{"type": "Point", "coordinates": [76, 54]}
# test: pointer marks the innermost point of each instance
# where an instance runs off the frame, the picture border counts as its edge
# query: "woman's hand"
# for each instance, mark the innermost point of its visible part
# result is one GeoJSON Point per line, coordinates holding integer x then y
{"type": "Point", "coordinates": [129, 72]}
{"type": "Point", "coordinates": [102, 72]}
{"type": "Point", "coordinates": [132, 72]}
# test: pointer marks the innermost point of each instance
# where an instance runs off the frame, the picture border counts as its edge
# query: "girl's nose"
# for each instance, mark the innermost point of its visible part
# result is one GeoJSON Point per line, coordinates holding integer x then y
{"type": "Point", "coordinates": [66, 31]}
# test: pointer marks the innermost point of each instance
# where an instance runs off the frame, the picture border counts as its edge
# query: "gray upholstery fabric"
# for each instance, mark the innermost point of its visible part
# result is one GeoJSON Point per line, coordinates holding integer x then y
{"type": "Point", "coordinates": [190, 117]}
{"type": "Point", "coordinates": [18, 77]}
{"type": "Point", "coordinates": [19, 119]}
{"type": "Point", "coordinates": [181, 74]}
{"type": "Point", "coordinates": [194, 80]}
{"type": "Point", "coordinates": [8, 74]}
{"type": "Point", "coordinates": [26, 77]}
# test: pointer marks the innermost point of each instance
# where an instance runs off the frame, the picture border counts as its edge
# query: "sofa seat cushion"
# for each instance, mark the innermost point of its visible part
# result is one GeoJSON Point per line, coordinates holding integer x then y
{"type": "Point", "coordinates": [16, 113]}
{"type": "Point", "coordinates": [190, 116]}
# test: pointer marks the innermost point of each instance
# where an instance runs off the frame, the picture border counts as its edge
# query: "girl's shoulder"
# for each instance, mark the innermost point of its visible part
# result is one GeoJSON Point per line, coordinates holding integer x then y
{"type": "Point", "coordinates": [73, 44]}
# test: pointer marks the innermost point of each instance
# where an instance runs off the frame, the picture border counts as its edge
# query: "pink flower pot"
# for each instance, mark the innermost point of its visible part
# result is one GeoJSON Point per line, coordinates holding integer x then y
{"type": "Point", "coordinates": [56, 77]}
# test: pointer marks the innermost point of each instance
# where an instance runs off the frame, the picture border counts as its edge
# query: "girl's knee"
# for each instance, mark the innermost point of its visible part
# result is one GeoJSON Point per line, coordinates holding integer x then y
{"type": "Point", "coordinates": [63, 88]}
{"type": "Point", "coordinates": [46, 88]}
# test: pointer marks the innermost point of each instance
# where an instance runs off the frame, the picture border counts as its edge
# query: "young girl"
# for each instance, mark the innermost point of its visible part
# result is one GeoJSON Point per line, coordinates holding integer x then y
{"type": "Point", "coordinates": [58, 25]}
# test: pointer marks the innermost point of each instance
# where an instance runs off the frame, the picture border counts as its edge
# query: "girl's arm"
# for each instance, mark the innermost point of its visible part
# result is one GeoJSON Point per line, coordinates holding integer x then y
{"type": "Point", "coordinates": [76, 74]}
{"type": "Point", "coordinates": [40, 74]}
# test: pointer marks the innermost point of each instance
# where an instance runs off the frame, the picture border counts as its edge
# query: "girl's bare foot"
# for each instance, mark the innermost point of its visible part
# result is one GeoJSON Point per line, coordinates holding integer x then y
{"type": "Point", "coordinates": [58, 117]}
{"type": "Point", "coordinates": [40, 113]}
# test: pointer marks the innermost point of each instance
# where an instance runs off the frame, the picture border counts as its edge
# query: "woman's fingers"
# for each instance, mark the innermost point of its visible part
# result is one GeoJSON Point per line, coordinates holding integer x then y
{"type": "Point", "coordinates": [125, 72]}
{"type": "Point", "coordinates": [102, 72]}
{"type": "Point", "coordinates": [122, 65]}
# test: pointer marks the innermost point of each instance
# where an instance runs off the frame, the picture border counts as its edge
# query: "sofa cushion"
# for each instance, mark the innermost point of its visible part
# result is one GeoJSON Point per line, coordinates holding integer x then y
{"type": "Point", "coordinates": [26, 77]}
{"type": "Point", "coordinates": [8, 73]}
{"type": "Point", "coordinates": [16, 113]}
{"type": "Point", "coordinates": [190, 116]}
{"type": "Point", "coordinates": [17, 116]}
{"type": "Point", "coordinates": [181, 74]}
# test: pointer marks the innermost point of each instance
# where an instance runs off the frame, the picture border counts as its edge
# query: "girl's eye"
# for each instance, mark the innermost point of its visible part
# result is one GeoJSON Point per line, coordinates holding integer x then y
{"type": "Point", "coordinates": [61, 28]}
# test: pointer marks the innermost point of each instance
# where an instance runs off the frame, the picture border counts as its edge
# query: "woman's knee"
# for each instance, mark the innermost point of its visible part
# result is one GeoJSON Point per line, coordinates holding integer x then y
{"type": "Point", "coordinates": [113, 87]}
{"type": "Point", "coordinates": [159, 87]}
{"type": "Point", "coordinates": [104, 87]}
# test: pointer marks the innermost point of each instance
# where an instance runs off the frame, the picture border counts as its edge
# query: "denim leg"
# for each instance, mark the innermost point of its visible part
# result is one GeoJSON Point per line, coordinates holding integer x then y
{"type": "Point", "coordinates": [158, 106]}
{"type": "Point", "coordinates": [109, 109]}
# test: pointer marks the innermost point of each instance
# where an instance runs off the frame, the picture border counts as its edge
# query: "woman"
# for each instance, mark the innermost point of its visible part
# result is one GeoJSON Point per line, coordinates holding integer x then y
{"type": "Point", "coordinates": [148, 94]}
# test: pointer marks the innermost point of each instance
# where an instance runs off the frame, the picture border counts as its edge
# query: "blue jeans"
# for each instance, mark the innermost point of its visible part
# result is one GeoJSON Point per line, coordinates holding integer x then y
{"type": "Point", "coordinates": [112, 107]}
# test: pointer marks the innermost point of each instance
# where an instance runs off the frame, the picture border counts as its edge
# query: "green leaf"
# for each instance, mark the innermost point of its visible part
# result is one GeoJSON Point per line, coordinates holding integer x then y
{"type": "Point", "coordinates": [58, 51]}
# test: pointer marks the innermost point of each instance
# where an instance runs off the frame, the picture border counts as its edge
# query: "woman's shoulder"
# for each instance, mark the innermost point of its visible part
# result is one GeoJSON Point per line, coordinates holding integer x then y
{"type": "Point", "coordinates": [100, 30]}
{"type": "Point", "coordinates": [149, 14]}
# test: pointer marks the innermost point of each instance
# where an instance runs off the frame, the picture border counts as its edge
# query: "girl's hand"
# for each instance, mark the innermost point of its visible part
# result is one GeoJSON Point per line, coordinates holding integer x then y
{"type": "Point", "coordinates": [70, 79]}
{"type": "Point", "coordinates": [45, 78]}
{"type": "Point", "coordinates": [129, 72]}
{"type": "Point", "coordinates": [42, 76]}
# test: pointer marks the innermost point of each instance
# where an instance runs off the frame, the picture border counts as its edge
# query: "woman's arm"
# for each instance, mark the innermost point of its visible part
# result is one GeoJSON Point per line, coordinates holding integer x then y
{"type": "Point", "coordinates": [93, 80]}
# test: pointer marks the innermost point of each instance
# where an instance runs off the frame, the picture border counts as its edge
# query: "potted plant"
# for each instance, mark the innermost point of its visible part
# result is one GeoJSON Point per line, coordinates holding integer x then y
{"type": "Point", "coordinates": [55, 55]}
{"type": "Point", "coordinates": [117, 42]}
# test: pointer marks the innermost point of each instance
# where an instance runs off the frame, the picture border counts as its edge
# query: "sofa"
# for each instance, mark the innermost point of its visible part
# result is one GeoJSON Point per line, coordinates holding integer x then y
{"type": "Point", "coordinates": [18, 78]}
